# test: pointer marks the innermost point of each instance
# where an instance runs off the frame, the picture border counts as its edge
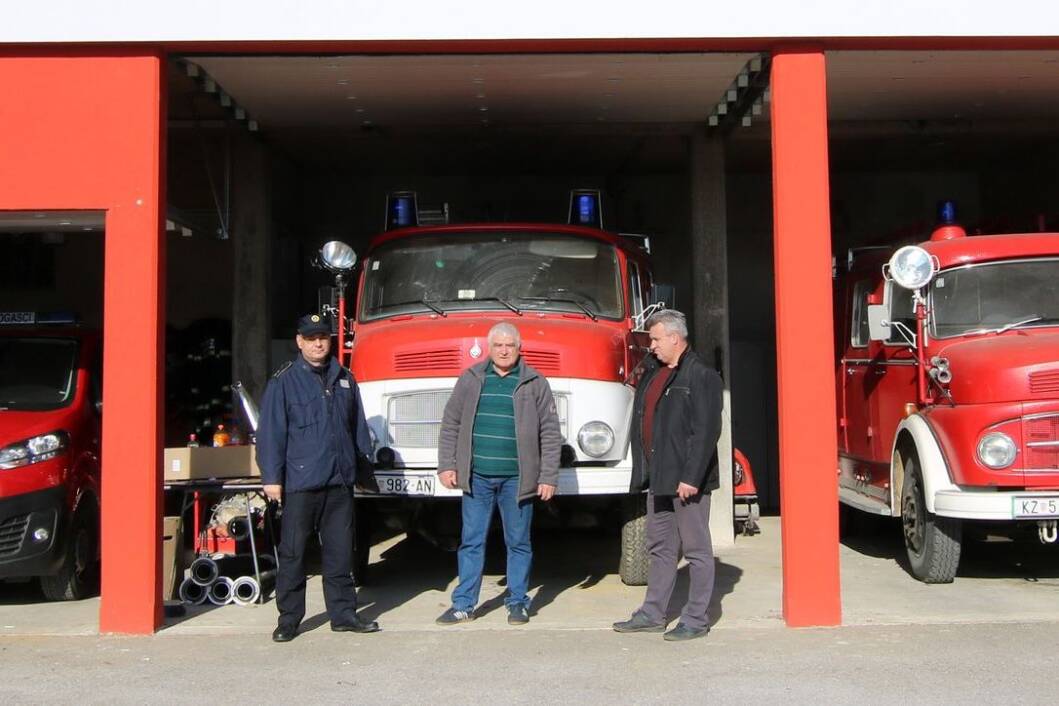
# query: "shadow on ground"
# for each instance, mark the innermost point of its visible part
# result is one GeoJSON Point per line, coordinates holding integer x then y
{"type": "Point", "coordinates": [990, 551]}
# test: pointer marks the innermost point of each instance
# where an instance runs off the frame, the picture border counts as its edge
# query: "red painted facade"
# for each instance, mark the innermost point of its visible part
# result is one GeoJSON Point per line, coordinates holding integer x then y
{"type": "Point", "coordinates": [86, 132]}
{"type": "Point", "coordinates": [804, 344]}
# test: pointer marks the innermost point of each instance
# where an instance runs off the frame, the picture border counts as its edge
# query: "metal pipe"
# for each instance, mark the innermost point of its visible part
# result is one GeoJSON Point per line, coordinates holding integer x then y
{"type": "Point", "coordinates": [192, 593]}
{"type": "Point", "coordinates": [247, 403]}
{"type": "Point", "coordinates": [235, 565]}
{"type": "Point", "coordinates": [247, 591]}
{"type": "Point", "coordinates": [204, 571]}
{"type": "Point", "coordinates": [220, 591]}
{"type": "Point", "coordinates": [239, 528]}
{"type": "Point", "coordinates": [253, 544]}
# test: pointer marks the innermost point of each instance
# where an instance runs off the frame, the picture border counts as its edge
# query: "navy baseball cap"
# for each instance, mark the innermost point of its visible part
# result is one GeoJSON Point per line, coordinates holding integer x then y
{"type": "Point", "coordinates": [313, 325]}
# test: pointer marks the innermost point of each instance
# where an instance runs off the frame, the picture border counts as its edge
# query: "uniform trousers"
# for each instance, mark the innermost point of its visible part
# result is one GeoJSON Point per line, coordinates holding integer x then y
{"type": "Point", "coordinates": [328, 511]}
{"type": "Point", "coordinates": [672, 525]}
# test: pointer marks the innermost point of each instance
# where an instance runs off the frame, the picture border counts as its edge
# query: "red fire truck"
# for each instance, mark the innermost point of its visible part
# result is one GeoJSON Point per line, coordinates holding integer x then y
{"type": "Point", "coordinates": [428, 294]}
{"type": "Point", "coordinates": [948, 387]}
{"type": "Point", "coordinates": [50, 404]}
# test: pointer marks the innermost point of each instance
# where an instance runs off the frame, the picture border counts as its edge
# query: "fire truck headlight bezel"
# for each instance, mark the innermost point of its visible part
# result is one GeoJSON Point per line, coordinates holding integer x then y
{"type": "Point", "coordinates": [912, 267]}
{"type": "Point", "coordinates": [997, 450]}
{"type": "Point", "coordinates": [338, 257]}
{"type": "Point", "coordinates": [596, 439]}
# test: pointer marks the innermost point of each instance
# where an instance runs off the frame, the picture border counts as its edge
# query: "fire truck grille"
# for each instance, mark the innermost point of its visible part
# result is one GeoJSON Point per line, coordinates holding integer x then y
{"type": "Point", "coordinates": [1041, 434]}
{"type": "Point", "coordinates": [544, 361]}
{"type": "Point", "coordinates": [414, 419]}
{"type": "Point", "coordinates": [12, 531]}
{"type": "Point", "coordinates": [1044, 382]}
{"type": "Point", "coordinates": [441, 358]}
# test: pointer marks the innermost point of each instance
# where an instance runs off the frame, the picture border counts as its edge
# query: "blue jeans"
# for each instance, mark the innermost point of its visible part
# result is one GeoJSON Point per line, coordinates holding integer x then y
{"type": "Point", "coordinates": [486, 494]}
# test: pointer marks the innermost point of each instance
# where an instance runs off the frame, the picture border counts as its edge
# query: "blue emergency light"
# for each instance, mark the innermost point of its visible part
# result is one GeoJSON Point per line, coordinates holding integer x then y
{"type": "Point", "coordinates": [947, 213]}
{"type": "Point", "coordinates": [402, 210]}
{"type": "Point", "coordinates": [585, 208]}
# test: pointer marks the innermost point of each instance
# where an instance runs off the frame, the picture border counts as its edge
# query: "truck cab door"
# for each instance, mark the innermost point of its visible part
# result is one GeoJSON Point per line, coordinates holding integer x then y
{"type": "Point", "coordinates": [896, 371]}
{"type": "Point", "coordinates": [856, 377]}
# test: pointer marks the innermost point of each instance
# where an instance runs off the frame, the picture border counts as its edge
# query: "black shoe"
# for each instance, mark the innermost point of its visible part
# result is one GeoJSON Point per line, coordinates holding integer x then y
{"type": "Point", "coordinates": [517, 615]}
{"type": "Point", "coordinates": [638, 623]}
{"type": "Point", "coordinates": [453, 616]}
{"type": "Point", "coordinates": [683, 632]}
{"type": "Point", "coordinates": [284, 634]}
{"type": "Point", "coordinates": [356, 625]}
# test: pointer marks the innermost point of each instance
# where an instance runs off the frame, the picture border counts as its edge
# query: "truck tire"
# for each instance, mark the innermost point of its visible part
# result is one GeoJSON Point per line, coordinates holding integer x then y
{"type": "Point", "coordinates": [932, 542]}
{"type": "Point", "coordinates": [634, 561]}
{"type": "Point", "coordinates": [78, 576]}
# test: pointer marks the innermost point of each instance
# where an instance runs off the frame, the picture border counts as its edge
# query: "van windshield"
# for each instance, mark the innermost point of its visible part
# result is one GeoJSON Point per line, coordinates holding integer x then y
{"type": "Point", "coordinates": [995, 296]}
{"type": "Point", "coordinates": [454, 271]}
{"type": "Point", "coordinates": [37, 374]}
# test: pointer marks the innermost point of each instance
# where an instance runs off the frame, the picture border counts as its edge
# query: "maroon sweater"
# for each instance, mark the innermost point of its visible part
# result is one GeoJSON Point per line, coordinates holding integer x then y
{"type": "Point", "coordinates": [654, 393]}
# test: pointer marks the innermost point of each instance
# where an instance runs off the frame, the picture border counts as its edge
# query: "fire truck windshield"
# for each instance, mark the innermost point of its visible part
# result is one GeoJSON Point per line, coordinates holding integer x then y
{"type": "Point", "coordinates": [996, 296]}
{"type": "Point", "coordinates": [523, 271]}
{"type": "Point", "coordinates": [37, 374]}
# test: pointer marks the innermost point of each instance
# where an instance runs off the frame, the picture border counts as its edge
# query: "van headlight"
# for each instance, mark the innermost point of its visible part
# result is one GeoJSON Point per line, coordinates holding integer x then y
{"type": "Point", "coordinates": [33, 450]}
{"type": "Point", "coordinates": [596, 439]}
{"type": "Point", "coordinates": [996, 450]}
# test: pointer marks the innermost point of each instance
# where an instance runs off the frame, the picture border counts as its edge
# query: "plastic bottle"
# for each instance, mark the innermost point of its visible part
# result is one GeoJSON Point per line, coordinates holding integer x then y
{"type": "Point", "coordinates": [221, 436]}
{"type": "Point", "coordinates": [193, 441]}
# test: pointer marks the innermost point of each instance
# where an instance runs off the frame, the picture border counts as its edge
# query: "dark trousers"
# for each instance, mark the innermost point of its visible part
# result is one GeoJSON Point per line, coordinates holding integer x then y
{"type": "Point", "coordinates": [330, 512]}
{"type": "Point", "coordinates": [672, 525]}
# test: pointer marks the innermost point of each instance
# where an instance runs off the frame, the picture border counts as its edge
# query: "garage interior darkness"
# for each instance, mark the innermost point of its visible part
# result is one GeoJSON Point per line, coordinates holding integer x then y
{"type": "Point", "coordinates": [321, 140]}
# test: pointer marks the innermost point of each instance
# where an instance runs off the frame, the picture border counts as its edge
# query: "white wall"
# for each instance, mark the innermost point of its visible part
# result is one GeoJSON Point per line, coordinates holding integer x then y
{"type": "Point", "coordinates": [308, 20]}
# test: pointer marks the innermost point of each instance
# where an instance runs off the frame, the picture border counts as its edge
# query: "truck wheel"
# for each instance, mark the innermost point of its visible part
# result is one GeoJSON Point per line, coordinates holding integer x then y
{"type": "Point", "coordinates": [78, 576]}
{"type": "Point", "coordinates": [633, 565]}
{"type": "Point", "coordinates": [932, 542]}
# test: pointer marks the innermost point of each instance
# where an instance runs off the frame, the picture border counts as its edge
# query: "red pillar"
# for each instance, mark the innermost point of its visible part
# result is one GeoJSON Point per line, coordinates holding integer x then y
{"type": "Point", "coordinates": [85, 132]}
{"type": "Point", "coordinates": [804, 336]}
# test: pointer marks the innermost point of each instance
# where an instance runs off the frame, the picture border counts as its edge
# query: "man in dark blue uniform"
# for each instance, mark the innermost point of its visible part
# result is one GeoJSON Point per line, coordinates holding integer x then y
{"type": "Point", "coordinates": [312, 446]}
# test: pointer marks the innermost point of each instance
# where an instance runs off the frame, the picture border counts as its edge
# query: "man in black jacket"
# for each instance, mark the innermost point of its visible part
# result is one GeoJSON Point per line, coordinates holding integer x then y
{"type": "Point", "coordinates": [675, 428]}
{"type": "Point", "coordinates": [312, 448]}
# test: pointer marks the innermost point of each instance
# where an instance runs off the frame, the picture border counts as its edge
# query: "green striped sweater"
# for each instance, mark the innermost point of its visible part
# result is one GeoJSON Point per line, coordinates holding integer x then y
{"type": "Point", "coordinates": [495, 450]}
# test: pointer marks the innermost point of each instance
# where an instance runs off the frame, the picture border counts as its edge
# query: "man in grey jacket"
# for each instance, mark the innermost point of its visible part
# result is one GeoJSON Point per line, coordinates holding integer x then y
{"type": "Point", "coordinates": [499, 444]}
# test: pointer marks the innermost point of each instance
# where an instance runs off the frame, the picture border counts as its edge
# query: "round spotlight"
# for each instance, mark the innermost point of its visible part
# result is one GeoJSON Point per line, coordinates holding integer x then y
{"type": "Point", "coordinates": [41, 534]}
{"type": "Point", "coordinates": [596, 439]}
{"type": "Point", "coordinates": [337, 256]}
{"type": "Point", "coordinates": [912, 267]}
{"type": "Point", "coordinates": [996, 450]}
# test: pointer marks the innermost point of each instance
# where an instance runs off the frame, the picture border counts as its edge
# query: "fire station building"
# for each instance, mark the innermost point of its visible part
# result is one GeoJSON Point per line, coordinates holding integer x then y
{"type": "Point", "coordinates": [167, 168]}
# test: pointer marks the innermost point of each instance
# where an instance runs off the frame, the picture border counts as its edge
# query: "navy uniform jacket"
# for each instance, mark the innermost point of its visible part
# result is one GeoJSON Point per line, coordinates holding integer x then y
{"type": "Point", "coordinates": [312, 432]}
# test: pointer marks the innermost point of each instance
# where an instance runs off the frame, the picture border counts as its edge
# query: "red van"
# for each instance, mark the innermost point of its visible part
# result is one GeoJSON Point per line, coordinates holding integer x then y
{"type": "Point", "coordinates": [50, 406]}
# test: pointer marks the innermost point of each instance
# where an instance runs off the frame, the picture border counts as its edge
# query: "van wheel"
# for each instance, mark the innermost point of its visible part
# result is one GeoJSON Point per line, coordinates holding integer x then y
{"type": "Point", "coordinates": [78, 576]}
{"type": "Point", "coordinates": [633, 565]}
{"type": "Point", "coordinates": [932, 542]}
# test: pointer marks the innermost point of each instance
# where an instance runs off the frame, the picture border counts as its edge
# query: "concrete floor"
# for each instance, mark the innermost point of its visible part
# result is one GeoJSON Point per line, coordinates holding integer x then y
{"type": "Point", "coordinates": [576, 588]}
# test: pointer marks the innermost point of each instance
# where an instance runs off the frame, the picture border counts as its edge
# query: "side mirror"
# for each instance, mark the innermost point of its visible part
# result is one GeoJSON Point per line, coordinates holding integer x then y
{"type": "Point", "coordinates": [663, 294]}
{"type": "Point", "coordinates": [878, 322]}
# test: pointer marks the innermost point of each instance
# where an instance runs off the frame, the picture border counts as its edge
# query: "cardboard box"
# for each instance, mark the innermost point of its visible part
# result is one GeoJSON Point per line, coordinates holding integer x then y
{"type": "Point", "coordinates": [172, 556]}
{"type": "Point", "coordinates": [204, 462]}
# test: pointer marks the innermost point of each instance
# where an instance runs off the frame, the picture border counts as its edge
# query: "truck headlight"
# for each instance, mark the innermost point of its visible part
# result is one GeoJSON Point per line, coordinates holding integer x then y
{"type": "Point", "coordinates": [996, 450]}
{"type": "Point", "coordinates": [33, 450]}
{"type": "Point", "coordinates": [596, 439]}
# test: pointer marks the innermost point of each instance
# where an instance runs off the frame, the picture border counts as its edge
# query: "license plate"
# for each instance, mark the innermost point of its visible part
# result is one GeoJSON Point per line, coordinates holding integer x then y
{"type": "Point", "coordinates": [1046, 506]}
{"type": "Point", "coordinates": [406, 485]}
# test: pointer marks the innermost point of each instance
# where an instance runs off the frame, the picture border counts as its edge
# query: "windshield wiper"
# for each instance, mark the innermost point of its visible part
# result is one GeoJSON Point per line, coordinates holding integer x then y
{"type": "Point", "coordinates": [576, 303]}
{"type": "Point", "coordinates": [508, 304]}
{"type": "Point", "coordinates": [1021, 322]}
{"type": "Point", "coordinates": [424, 302]}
